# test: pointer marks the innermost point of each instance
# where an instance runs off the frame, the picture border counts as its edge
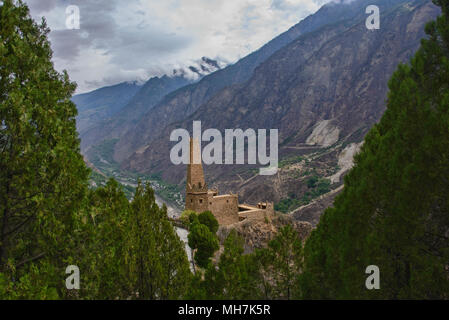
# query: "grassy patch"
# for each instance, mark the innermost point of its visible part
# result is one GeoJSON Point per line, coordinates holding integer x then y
{"type": "Point", "coordinates": [287, 205]}
{"type": "Point", "coordinates": [290, 161]}
{"type": "Point", "coordinates": [101, 157]}
{"type": "Point", "coordinates": [317, 186]}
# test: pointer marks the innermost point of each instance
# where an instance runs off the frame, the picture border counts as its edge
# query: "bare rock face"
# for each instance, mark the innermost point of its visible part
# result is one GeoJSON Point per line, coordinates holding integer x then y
{"type": "Point", "coordinates": [258, 232]}
{"type": "Point", "coordinates": [186, 101]}
{"type": "Point", "coordinates": [346, 161]}
{"type": "Point", "coordinates": [322, 84]}
{"type": "Point", "coordinates": [324, 134]}
{"type": "Point", "coordinates": [325, 88]}
{"type": "Point", "coordinates": [323, 91]}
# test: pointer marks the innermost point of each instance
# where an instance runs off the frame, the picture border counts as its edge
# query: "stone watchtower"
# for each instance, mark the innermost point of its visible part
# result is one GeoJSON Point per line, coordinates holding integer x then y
{"type": "Point", "coordinates": [196, 187]}
{"type": "Point", "coordinates": [225, 208]}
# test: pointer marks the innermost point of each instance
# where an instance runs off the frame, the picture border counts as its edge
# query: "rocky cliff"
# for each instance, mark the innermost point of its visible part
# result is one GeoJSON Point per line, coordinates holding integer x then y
{"type": "Point", "coordinates": [186, 101]}
{"type": "Point", "coordinates": [323, 91]}
{"type": "Point", "coordinates": [258, 232]}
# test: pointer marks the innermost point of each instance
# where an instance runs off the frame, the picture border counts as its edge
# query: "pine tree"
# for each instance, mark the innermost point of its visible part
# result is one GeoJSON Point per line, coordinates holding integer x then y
{"type": "Point", "coordinates": [202, 237]}
{"type": "Point", "coordinates": [42, 174]}
{"type": "Point", "coordinates": [394, 210]}
{"type": "Point", "coordinates": [209, 220]}
{"type": "Point", "coordinates": [238, 273]}
{"type": "Point", "coordinates": [156, 264]}
{"type": "Point", "coordinates": [235, 276]}
{"type": "Point", "coordinates": [204, 242]}
{"type": "Point", "coordinates": [281, 264]}
{"type": "Point", "coordinates": [100, 244]}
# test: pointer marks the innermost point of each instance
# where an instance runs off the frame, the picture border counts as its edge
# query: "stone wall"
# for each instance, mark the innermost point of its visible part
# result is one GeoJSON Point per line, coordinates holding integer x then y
{"type": "Point", "coordinates": [225, 208]}
{"type": "Point", "coordinates": [198, 202]}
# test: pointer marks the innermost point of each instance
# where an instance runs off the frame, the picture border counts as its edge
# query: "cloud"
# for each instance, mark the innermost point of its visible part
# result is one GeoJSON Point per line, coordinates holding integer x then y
{"type": "Point", "coordinates": [136, 39]}
{"type": "Point", "coordinates": [42, 6]}
{"type": "Point", "coordinates": [341, 1]}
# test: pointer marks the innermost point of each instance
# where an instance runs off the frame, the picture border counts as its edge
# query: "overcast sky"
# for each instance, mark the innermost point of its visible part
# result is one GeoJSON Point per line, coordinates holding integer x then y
{"type": "Point", "coordinates": [136, 39]}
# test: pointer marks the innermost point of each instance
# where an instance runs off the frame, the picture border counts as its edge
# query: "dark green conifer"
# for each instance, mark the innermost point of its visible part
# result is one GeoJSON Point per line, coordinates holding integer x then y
{"type": "Point", "coordinates": [394, 210]}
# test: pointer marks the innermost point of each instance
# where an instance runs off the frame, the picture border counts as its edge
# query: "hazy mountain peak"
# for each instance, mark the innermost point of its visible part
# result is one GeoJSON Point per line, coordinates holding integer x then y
{"type": "Point", "coordinates": [199, 68]}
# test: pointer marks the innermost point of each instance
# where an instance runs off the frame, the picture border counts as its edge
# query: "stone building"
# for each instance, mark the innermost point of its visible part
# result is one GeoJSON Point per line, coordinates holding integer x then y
{"type": "Point", "coordinates": [225, 208]}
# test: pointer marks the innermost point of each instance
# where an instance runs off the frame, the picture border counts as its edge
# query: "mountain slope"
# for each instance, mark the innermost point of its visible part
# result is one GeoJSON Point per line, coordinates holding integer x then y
{"type": "Point", "coordinates": [182, 103]}
{"type": "Point", "coordinates": [334, 79]}
{"type": "Point", "coordinates": [98, 105]}
{"type": "Point", "coordinates": [142, 101]}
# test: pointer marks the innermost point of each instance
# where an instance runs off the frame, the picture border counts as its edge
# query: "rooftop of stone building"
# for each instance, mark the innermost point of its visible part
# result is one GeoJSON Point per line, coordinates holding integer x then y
{"type": "Point", "coordinates": [225, 196]}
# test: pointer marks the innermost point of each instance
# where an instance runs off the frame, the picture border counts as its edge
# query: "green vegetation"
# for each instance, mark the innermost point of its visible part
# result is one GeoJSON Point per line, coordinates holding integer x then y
{"type": "Point", "coordinates": [317, 187]}
{"type": "Point", "coordinates": [156, 263]}
{"type": "Point", "coordinates": [208, 219]}
{"type": "Point", "coordinates": [185, 216]}
{"type": "Point", "coordinates": [394, 210]}
{"type": "Point", "coordinates": [282, 260]}
{"type": "Point", "coordinates": [43, 177]}
{"type": "Point", "coordinates": [270, 273]}
{"type": "Point", "coordinates": [203, 238]}
{"type": "Point", "coordinates": [289, 161]}
{"type": "Point", "coordinates": [122, 258]}
{"type": "Point", "coordinates": [287, 205]}
{"type": "Point", "coordinates": [49, 218]}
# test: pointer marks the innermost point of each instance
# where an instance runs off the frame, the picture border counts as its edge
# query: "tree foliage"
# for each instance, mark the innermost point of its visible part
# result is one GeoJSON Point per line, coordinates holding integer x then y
{"type": "Point", "coordinates": [281, 265]}
{"type": "Point", "coordinates": [267, 273]}
{"type": "Point", "coordinates": [155, 260]}
{"type": "Point", "coordinates": [204, 242]}
{"type": "Point", "coordinates": [394, 210]}
{"type": "Point", "coordinates": [209, 220]}
{"type": "Point", "coordinates": [42, 174]}
{"type": "Point", "coordinates": [49, 219]}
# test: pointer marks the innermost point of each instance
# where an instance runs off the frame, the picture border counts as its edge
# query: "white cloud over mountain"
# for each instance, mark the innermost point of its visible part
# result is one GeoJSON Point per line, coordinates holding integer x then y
{"type": "Point", "coordinates": [135, 39]}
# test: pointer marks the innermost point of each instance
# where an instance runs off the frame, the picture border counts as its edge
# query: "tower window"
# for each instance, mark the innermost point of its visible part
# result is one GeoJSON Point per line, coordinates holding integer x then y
{"type": "Point", "coordinates": [201, 200]}
{"type": "Point", "coordinates": [191, 200]}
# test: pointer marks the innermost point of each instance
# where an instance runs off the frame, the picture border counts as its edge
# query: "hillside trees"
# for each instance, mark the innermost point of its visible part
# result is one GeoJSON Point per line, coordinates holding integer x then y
{"type": "Point", "coordinates": [49, 219]}
{"type": "Point", "coordinates": [237, 274]}
{"type": "Point", "coordinates": [208, 219]}
{"type": "Point", "coordinates": [267, 273]}
{"type": "Point", "coordinates": [281, 264]}
{"type": "Point", "coordinates": [127, 250]}
{"type": "Point", "coordinates": [394, 210]}
{"type": "Point", "coordinates": [156, 264]}
{"type": "Point", "coordinates": [42, 174]}
{"type": "Point", "coordinates": [203, 238]}
{"type": "Point", "coordinates": [101, 246]}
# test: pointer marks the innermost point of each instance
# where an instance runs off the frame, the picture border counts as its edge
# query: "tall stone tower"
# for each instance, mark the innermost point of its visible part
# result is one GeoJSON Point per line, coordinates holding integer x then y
{"type": "Point", "coordinates": [196, 187]}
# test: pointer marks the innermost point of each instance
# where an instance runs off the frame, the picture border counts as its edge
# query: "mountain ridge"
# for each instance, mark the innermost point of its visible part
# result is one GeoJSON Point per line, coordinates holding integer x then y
{"type": "Point", "coordinates": [124, 113]}
{"type": "Point", "coordinates": [175, 108]}
{"type": "Point", "coordinates": [308, 89]}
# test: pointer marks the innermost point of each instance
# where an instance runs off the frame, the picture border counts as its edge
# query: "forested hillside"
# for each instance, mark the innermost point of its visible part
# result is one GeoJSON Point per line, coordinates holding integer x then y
{"type": "Point", "coordinates": [393, 212]}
